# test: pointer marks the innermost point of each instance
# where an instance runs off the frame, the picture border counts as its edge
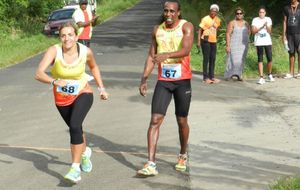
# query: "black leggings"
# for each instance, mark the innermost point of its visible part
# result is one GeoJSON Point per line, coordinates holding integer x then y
{"type": "Point", "coordinates": [260, 53]}
{"type": "Point", "coordinates": [209, 51]}
{"type": "Point", "coordinates": [74, 115]}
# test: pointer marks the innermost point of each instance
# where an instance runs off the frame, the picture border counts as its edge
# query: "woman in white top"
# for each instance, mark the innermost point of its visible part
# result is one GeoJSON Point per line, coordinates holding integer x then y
{"type": "Point", "coordinates": [262, 28]}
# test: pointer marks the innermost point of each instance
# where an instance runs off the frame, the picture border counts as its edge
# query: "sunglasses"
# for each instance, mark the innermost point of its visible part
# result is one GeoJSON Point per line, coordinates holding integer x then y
{"type": "Point", "coordinates": [239, 13]}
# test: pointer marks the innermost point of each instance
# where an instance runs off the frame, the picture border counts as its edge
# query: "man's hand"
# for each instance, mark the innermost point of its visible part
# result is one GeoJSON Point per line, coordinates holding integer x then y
{"type": "Point", "coordinates": [143, 88]}
{"type": "Point", "coordinates": [158, 58]}
{"type": "Point", "coordinates": [94, 20]}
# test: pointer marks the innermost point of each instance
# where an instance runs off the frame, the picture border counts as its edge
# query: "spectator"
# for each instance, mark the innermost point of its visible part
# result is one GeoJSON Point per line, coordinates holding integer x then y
{"type": "Point", "coordinates": [262, 28]}
{"type": "Point", "coordinates": [291, 35]}
{"type": "Point", "coordinates": [207, 40]}
{"type": "Point", "coordinates": [237, 38]}
{"type": "Point", "coordinates": [85, 20]}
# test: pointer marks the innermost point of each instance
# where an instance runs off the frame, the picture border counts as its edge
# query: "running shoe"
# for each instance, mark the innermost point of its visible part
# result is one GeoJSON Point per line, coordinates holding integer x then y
{"type": "Point", "coordinates": [288, 76]}
{"type": "Point", "coordinates": [261, 81]}
{"type": "Point", "coordinates": [85, 161]}
{"type": "Point", "coordinates": [148, 170]}
{"type": "Point", "coordinates": [271, 78]}
{"type": "Point", "coordinates": [297, 76]}
{"type": "Point", "coordinates": [73, 175]}
{"type": "Point", "coordinates": [181, 163]}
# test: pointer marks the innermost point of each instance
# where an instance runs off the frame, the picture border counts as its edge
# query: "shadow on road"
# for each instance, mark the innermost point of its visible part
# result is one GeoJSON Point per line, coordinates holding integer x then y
{"type": "Point", "coordinates": [114, 150]}
{"type": "Point", "coordinates": [39, 159]}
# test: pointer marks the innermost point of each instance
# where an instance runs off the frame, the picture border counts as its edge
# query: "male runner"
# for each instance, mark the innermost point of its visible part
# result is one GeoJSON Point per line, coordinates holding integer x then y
{"type": "Point", "coordinates": [172, 41]}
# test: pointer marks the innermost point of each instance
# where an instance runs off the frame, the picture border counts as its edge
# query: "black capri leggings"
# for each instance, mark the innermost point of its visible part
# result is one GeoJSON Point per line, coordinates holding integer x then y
{"type": "Point", "coordinates": [74, 115]}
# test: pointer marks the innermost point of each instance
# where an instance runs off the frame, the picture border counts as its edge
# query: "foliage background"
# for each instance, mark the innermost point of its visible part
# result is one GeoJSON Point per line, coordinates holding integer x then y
{"type": "Point", "coordinates": [24, 16]}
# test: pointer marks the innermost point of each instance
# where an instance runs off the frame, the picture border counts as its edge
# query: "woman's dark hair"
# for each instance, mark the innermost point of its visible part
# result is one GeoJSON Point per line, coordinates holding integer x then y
{"type": "Point", "coordinates": [239, 9]}
{"type": "Point", "coordinates": [262, 7]}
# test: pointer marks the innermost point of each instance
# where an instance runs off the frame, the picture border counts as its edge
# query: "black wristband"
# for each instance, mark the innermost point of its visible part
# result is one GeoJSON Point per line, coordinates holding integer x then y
{"type": "Point", "coordinates": [53, 82]}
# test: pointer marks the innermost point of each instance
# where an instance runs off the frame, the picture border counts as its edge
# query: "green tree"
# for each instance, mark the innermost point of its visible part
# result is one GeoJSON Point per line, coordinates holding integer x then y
{"type": "Point", "coordinates": [24, 16]}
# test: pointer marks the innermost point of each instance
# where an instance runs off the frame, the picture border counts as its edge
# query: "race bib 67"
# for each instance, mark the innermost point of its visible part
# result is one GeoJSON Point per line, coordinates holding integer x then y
{"type": "Point", "coordinates": [172, 71]}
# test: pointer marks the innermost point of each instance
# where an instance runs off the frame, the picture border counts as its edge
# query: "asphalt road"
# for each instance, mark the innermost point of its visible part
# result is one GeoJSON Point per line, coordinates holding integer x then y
{"type": "Point", "coordinates": [243, 136]}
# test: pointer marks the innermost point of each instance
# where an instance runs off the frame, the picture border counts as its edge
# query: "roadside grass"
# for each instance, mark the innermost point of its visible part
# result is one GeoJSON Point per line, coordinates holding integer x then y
{"type": "Point", "coordinates": [15, 50]}
{"type": "Point", "coordinates": [280, 60]}
{"type": "Point", "coordinates": [110, 8]}
{"type": "Point", "coordinates": [286, 183]}
{"type": "Point", "coordinates": [18, 46]}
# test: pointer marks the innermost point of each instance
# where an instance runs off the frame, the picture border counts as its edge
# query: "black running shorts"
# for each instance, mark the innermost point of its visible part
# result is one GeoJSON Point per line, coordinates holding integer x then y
{"type": "Point", "coordinates": [294, 43]}
{"type": "Point", "coordinates": [182, 92]}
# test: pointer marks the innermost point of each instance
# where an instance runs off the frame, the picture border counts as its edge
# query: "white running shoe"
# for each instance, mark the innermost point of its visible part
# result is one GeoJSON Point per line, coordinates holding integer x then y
{"type": "Point", "coordinates": [271, 78]}
{"type": "Point", "coordinates": [261, 81]}
{"type": "Point", "coordinates": [288, 76]}
{"type": "Point", "coordinates": [73, 176]}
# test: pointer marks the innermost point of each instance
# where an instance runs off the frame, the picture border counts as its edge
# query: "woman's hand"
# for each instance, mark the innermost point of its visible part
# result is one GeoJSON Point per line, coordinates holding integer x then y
{"type": "Point", "coordinates": [228, 49]}
{"type": "Point", "coordinates": [59, 82]}
{"type": "Point", "coordinates": [104, 95]}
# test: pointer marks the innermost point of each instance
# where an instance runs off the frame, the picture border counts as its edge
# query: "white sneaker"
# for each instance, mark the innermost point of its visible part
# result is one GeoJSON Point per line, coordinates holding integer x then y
{"type": "Point", "coordinates": [270, 78]}
{"type": "Point", "coordinates": [297, 76]}
{"type": "Point", "coordinates": [261, 81]}
{"type": "Point", "coordinates": [288, 76]}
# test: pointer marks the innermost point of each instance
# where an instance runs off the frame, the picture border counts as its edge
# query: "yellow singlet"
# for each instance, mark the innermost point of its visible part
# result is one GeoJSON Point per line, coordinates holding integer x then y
{"type": "Point", "coordinates": [74, 73]}
{"type": "Point", "coordinates": [170, 40]}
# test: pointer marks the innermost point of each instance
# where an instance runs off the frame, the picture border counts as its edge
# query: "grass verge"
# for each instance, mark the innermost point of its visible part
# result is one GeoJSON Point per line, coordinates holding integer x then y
{"type": "Point", "coordinates": [287, 183]}
{"type": "Point", "coordinates": [16, 48]}
{"type": "Point", "coordinates": [280, 60]}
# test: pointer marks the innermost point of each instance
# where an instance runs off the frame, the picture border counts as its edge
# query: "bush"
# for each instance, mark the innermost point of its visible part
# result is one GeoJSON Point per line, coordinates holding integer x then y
{"type": "Point", "coordinates": [23, 17]}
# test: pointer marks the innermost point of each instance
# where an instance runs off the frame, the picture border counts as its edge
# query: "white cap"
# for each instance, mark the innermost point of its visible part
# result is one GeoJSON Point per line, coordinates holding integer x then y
{"type": "Point", "coordinates": [214, 6]}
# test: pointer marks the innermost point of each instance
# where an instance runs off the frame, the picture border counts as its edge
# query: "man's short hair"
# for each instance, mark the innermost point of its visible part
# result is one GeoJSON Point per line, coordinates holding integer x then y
{"type": "Point", "coordinates": [174, 1]}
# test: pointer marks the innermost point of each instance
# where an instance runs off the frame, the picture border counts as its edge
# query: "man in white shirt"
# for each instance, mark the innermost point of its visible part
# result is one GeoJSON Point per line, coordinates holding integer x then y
{"type": "Point", "coordinates": [85, 20]}
{"type": "Point", "coordinates": [262, 27]}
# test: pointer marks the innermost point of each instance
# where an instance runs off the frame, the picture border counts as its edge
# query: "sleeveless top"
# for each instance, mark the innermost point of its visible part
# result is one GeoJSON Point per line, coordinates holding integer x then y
{"type": "Point", "coordinates": [170, 40]}
{"type": "Point", "coordinates": [74, 73]}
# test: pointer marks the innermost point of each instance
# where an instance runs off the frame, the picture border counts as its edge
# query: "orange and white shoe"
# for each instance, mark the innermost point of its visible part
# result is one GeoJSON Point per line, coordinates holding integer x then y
{"type": "Point", "coordinates": [181, 162]}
